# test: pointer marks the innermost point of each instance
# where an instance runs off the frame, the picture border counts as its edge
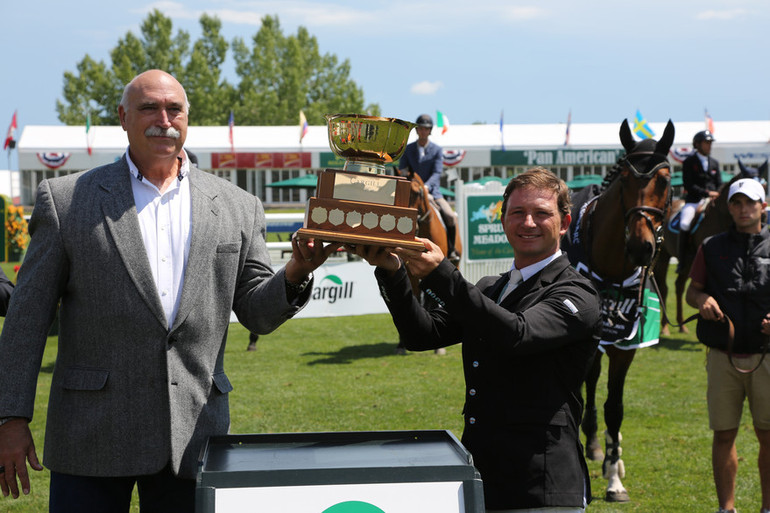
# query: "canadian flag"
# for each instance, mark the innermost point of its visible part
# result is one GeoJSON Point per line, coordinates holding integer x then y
{"type": "Point", "coordinates": [9, 138]}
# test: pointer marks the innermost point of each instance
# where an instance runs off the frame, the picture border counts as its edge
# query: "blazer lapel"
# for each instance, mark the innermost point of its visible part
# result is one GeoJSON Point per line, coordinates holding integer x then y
{"type": "Point", "coordinates": [121, 217]}
{"type": "Point", "coordinates": [203, 247]}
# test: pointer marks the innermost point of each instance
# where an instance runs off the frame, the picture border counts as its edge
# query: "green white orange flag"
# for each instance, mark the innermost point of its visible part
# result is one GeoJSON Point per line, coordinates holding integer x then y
{"type": "Point", "coordinates": [88, 134]}
{"type": "Point", "coordinates": [442, 121]}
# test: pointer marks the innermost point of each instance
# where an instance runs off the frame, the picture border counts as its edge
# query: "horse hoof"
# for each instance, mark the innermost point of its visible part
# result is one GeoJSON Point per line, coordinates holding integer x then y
{"type": "Point", "coordinates": [617, 496]}
{"type": "Point", "coordinates": [665, 331]}
{"type": "Point", "coordinates": [400, 350]}
{"type": "Point", "coordinates": [440, 351]}
{"type": "Point", "coordinates": [684, 330]}
{"type": "Point", "coordinates": [594, 450]}
{"type": "Point", "coordinates": [252, 347]}
{"type": "Point", "coordinates": [594, 454]}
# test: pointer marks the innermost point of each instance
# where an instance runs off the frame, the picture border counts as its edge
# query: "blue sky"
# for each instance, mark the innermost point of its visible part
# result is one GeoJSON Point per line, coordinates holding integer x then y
{"type": "Point", "coordinates": [534, 60]}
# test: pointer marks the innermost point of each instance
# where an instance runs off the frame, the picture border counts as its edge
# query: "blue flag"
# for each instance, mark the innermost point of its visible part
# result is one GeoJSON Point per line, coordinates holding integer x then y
{"type": "Point", "coordinates": [641, 128]}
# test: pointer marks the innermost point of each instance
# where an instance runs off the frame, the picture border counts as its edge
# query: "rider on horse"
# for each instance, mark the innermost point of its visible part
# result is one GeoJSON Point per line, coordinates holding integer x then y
{"type": "Point", "coordinates": [702, 180]}
{"type": "Point", "coordinates": [427, 160]}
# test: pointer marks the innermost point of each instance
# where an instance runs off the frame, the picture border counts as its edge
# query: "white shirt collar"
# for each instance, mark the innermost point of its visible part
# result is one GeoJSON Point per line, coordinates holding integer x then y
{"type": "Point", "coordinates": [531, 270]}
{"type": "Point", "coordinates": [184, 169]}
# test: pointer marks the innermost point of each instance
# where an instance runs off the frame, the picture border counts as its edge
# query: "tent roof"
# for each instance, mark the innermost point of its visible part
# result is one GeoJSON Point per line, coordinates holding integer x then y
{"type": "Point", "coordinates": [36, 138]}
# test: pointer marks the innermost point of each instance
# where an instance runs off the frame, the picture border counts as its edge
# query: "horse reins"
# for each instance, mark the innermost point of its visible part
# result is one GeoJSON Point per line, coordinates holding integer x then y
{"type": "Point", "coordinates": [730, 331]}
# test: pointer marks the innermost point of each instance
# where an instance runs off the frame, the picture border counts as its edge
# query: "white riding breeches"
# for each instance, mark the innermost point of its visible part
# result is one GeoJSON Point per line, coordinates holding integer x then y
{"type": "Point", "coordinates": [687, 215]}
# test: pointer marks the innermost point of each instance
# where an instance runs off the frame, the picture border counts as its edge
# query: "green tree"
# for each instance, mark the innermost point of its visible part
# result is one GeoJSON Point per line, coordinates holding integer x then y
{"type": "Point", "coordinates": [277, 76]}
{"type": "Point", "coordinates": [98, 88]}
{"type": "Point", "coordinates": [209, 95]}
{"type": "Point", "coordinates": [281, 75]}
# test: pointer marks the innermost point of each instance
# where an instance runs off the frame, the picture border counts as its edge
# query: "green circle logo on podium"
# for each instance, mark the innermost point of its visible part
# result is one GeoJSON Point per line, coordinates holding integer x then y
{"type": "Point", "coordinates": [353, 507]}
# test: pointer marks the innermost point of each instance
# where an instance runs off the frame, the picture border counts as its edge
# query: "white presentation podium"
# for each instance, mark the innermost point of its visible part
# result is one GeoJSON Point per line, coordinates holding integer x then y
{"type": "Point", "coordinates": [346, 472]}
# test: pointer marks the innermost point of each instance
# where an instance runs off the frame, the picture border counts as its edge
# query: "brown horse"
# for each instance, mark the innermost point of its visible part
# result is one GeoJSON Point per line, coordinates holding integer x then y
{"type": "Point", "coordinates": [715, 218]}
{"type": "Point", "coordinates": [615, 235]}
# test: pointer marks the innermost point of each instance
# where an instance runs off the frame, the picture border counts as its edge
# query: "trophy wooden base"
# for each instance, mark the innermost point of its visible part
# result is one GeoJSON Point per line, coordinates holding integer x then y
{"type": "Point", "coordinates": [356, 222]}
{"type": "Point", "coordinates": [325, 236]}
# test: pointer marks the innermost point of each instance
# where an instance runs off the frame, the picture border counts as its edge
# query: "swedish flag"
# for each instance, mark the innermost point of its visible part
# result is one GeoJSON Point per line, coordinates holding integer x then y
{"type": "Point", "coordinates": [641, 128]}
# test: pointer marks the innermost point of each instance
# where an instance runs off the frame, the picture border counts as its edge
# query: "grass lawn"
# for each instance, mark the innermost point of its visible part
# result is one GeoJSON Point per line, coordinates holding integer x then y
{"type": "Point", "coordinates": [341, 374]}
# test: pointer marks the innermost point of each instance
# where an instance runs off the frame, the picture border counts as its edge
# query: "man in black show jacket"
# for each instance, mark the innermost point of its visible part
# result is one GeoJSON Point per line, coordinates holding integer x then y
{"type": "Point", "coordinates": [526, 347]}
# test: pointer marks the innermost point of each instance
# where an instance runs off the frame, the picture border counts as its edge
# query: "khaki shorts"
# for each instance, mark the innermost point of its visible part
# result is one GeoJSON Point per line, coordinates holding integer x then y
{"type": "Point", "coordinates": [728, 388]}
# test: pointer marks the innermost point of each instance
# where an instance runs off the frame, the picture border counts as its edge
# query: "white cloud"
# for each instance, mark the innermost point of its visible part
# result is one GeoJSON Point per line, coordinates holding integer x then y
{"type": "Point", "coordinates": [169, 9]}
{"type": "Point", "coordinates": [237, 17]}
{"type": "Point", "coordinates": [426, 87]}
{"type": "Point", "coordinates": [727, 14]}
{"type": "Point", "coordinates": [522, 13]}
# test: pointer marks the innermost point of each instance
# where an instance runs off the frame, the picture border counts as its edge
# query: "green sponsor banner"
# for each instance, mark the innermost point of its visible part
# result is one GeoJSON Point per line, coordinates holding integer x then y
{"type": "Point", "coordinates": [559, 157]}
{"type": "Point", "coordinates": [486, 237]}
{"type": "Point", "coordinates": [329, 159]}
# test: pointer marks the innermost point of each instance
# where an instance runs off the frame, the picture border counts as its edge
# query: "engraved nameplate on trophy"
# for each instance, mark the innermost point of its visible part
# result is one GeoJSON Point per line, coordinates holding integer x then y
{"type": "Point", "coordinates": [361, 204]}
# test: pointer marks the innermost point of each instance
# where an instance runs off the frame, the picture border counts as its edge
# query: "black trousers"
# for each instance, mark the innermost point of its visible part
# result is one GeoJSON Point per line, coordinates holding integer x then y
{"type": "Point", "coordinates": [158, 493]}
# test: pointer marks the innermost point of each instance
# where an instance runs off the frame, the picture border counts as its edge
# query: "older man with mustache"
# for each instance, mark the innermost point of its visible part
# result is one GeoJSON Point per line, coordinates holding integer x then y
{"type": "Point", "coordinates": [145, 258]}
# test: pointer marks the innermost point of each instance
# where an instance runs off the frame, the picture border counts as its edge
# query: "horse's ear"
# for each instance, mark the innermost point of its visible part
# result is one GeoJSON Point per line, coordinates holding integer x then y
{"type": "Point", "coordinates": [667, 140]}
{"type": "Point", "coordinates": [744, 171]}
{"type": "Point", "coordinates": [626, 139]}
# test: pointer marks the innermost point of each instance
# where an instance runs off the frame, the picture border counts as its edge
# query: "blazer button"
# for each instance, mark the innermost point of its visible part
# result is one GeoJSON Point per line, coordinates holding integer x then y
{"type": "Point", "coordinates": [472, 392]}
{"type": "Point", "coordinates": [475, 364]}
{"type": "Point", "coordinates": [472, 420]}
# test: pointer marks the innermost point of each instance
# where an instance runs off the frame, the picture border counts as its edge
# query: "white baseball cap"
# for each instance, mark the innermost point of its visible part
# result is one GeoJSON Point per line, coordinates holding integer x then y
{"type": "Point", "coordinates": [748, 186]}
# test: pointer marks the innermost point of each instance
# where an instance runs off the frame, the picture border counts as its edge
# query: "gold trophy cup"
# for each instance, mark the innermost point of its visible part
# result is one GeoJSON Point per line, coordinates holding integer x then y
{"type": "Point", "coordinates": [361, 204]}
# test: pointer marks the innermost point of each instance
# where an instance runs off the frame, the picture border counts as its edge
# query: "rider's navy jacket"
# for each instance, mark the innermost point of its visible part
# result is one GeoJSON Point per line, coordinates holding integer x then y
{"type": "Point", "coordinates": [698, 181]}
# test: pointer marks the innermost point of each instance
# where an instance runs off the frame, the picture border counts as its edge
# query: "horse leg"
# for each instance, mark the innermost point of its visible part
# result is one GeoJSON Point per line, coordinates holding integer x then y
{"type": "Point", "coordinates": [589, 424]}
{"type": "Point", "coordinates": [613, 467]}
{"type": "Point", "coordinates": [681, 280]}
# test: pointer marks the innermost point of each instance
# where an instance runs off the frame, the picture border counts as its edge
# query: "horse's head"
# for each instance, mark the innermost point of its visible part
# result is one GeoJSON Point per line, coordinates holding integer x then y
{"type": "Point", "coordinates": [757, 173]}
{"type": "Point", "coordinates": [645, 192]}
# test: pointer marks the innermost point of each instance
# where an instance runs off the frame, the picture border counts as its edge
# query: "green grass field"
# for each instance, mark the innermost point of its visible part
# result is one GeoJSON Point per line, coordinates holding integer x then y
{"type": "Point", "coordinates": [341, 374]}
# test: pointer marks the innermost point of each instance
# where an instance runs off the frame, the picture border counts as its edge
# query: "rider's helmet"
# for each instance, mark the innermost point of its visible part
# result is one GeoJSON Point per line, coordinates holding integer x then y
{"type": "Point", "coordinates": [424, 120]}
{"type": "Point", "coordinates": [703, 135]}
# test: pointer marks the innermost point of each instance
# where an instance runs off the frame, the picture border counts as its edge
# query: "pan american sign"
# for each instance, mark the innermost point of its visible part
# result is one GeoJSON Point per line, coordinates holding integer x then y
{"type": "Point", "coordinates": [560, 157]}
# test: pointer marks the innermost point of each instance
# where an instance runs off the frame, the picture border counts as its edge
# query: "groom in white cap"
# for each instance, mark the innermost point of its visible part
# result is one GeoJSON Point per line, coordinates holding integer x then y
{"type": "Point", "coordinates": [730, 287]}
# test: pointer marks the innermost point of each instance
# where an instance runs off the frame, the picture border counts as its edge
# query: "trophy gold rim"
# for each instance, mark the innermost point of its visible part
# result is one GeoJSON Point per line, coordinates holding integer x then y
{"type": "Point", "coordinates": [369, 156]}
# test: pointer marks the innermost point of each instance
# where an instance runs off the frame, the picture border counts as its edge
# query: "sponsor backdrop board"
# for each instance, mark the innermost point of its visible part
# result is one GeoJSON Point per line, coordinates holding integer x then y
{"type": "Point", "coordinates": [341, 289]}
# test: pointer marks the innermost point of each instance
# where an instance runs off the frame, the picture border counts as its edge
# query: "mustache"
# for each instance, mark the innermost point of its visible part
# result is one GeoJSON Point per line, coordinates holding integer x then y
{"type": "Point", "coordinates": [156, 131]}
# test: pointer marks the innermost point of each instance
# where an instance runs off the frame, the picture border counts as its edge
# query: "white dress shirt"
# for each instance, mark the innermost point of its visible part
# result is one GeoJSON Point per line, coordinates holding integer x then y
{"type": "Point", "coordinates": [526, 273]}
{"type": "Point", "coordinates": [165, 220]}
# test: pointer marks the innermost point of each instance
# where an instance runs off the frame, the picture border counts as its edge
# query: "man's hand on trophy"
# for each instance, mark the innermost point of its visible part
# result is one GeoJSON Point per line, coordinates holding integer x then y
{"type": "Point", "coordinates": [378, 256]}
{"type": "Point", "coordinates": [421, 263]}
{"type": "Point", "coordinates": [306, 256]}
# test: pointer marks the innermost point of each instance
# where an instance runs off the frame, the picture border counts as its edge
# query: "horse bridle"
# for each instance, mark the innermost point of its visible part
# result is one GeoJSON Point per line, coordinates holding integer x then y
{"type": "Point", "coordinates": [643, 210]}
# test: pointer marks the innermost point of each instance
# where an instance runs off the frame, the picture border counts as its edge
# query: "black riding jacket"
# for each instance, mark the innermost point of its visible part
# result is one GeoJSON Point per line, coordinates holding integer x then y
{"type": "Point", "coordinates": [738, 277]}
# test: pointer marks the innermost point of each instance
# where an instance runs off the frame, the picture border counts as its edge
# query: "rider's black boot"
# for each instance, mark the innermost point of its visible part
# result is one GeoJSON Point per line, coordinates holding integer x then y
{"type": "Point", "coordinates": [452, 255]}
{"type": "Point", "coordinates": [682, 249]}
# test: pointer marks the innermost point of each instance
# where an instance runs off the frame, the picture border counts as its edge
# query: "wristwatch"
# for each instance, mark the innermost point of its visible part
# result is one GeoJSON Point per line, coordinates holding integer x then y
{"type": "Point", "coordinates": [293, 290]}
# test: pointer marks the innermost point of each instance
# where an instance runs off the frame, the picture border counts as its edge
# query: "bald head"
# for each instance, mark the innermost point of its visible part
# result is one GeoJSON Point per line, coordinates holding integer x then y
{"type": "Point", "coordinates": [152, 76]}
{"type": "Point", "coordinates": [153, 112]}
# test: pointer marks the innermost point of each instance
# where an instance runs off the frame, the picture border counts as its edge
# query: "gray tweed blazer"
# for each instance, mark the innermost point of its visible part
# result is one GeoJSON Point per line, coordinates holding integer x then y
{"type": "Point", "coordinates": [129, 393]}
